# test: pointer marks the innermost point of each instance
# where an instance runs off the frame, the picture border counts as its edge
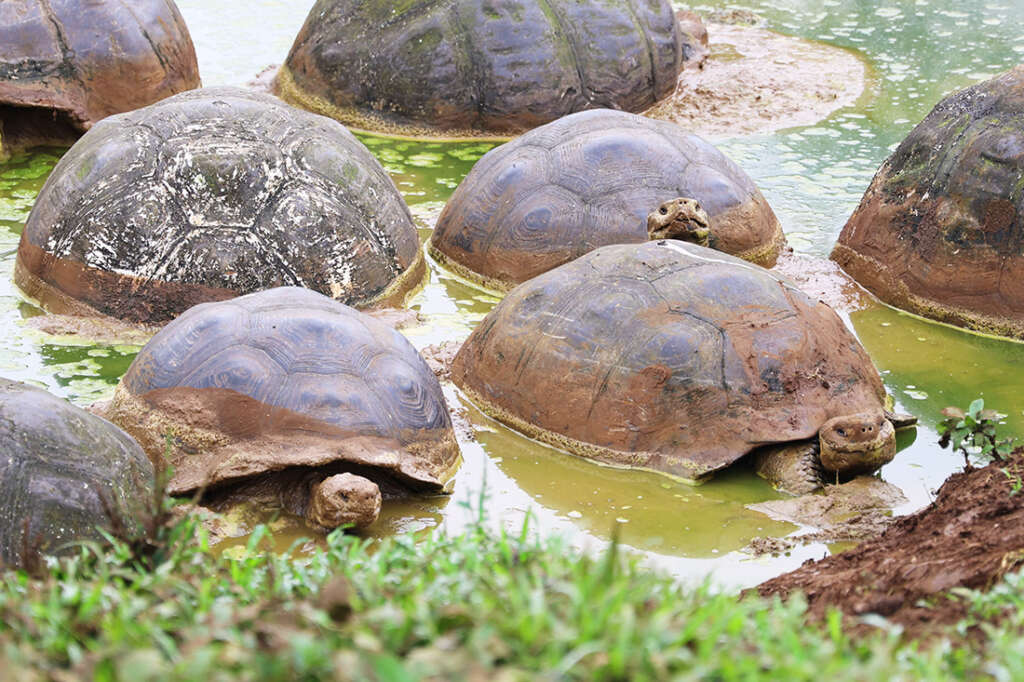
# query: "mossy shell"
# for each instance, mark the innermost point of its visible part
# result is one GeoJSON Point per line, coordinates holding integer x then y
{"type": "Point", "coordinates": [286, 378]}
{"type": "Point", "coordinates": [588, 180]}
{"type": "Point", "coordinates": [665, 356]}
{"type": "Point", "coordinates": [478, 67]}
{"type": "Point", "coordinates": [64, 474]}
{"type": "Point", "coordinates": [208, 195]}
{"type": "Point", "coordinates": [940, 231]}
{"type": "Point", "coordinates": [66, 64]}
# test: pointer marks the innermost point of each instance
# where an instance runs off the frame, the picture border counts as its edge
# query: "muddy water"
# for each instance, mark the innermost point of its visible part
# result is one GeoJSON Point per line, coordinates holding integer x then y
{"type": "Point", "coordinates": [918, 50]}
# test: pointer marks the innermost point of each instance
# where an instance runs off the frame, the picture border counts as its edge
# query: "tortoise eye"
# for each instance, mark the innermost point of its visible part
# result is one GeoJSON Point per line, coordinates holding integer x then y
{"type": "Point", "coordinates": [663, 210]}
{"type": "Point", "coordinates": [841, 432]}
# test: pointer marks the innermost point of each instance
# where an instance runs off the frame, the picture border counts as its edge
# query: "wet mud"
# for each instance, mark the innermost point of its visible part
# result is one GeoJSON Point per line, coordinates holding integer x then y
{"type": "Point", "coordinates": [849, 512]}
{"type": "Point", "coordinates": [758, 81]}
{"type": "Point", "coordinates": [823, 280]}
{"type": "Point", "coordinates": [970, 536]}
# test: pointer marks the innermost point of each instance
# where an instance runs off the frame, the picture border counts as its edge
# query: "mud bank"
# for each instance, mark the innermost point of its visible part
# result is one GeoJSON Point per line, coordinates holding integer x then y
{"type": "Point", "coordinates": [970, 536]}
{"type": "Point", "coordinates": [758, 81]}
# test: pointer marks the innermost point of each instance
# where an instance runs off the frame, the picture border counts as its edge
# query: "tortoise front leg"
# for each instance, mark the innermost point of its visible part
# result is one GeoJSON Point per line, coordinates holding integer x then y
{"type": "Point", "coordinates": [793, 468]}
{"type": "Point", "coordinates": [341, 499]}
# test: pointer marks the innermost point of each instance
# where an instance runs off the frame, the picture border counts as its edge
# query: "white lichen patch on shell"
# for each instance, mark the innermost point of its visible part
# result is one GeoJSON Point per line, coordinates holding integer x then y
{"type": "Point", "coordinates": [227, 189]}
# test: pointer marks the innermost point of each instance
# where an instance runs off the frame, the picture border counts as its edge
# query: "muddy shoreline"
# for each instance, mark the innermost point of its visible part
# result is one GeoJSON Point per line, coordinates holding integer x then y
{"type": "Point", "coordinates": [970, 536]}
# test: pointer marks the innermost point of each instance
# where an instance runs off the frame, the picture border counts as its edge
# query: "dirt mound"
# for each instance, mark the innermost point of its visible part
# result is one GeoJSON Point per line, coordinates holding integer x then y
{"type": "Point", "coordinates": [970, 536]}
{"type": "Point", "coordinates": [759, 81]}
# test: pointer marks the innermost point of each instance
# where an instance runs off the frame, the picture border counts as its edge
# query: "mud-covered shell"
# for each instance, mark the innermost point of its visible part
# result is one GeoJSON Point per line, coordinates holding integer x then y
{"type": "Point", "coordinates": [63, 473]}
{"type": "Point", "coordinates": [470, 67]}
{"type": "Point", "coordinates": [665, 356]}
{"type": "Point", "coordinates": [940, 231]}
{"type": "Point", "coordinates": [315, 381]}
{"type": "Point", "coordinates": [589, 180]}
{"type": "Point", "coordinates": [211, 194]}
{"type": "Point", "coordinates": [88, 60]}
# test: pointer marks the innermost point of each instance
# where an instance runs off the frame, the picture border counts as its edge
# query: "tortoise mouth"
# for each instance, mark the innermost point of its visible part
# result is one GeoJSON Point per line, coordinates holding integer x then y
{"type": "Point", "coordinates": [857, 444]}
{"type": "Point", "coordinates": [24, 127]}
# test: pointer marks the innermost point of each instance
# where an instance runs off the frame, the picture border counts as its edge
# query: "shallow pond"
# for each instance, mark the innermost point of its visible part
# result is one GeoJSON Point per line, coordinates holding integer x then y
{"type": "Point", "coordinates": [918, 50]}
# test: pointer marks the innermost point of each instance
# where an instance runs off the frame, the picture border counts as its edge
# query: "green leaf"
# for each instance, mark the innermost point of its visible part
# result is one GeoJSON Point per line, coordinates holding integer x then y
{"type": "Point", "coordinates": [977, 406]}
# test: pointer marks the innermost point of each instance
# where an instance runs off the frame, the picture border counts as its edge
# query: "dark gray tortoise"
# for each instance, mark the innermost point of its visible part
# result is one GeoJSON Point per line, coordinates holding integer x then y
{"type": "Point", "coordinates": [592, 179]}
{"type": "Point", "coordinates": [940, 231]}
{"type": "Point", "coordinates": [288, 394]}
{"type": "Point", "coordinates": [208, 195]}
{"type": "Point", "coordinates": [478, 67]}
{"type": "Point", "coordinates": [64, 474]}
{"type": "Point", "coordinates": [65, 64]}
{"type": "Point", "coordinates": [679, 359]}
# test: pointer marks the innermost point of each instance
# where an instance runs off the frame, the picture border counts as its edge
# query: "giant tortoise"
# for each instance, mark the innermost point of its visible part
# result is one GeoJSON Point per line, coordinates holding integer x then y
{"type": "Point", "coordinates": [679, 359]}
{"type": "Point", "coordinates": [940, 231]}
{"type": "Point", "coordinates": [65, 475]}
{"type": "Point", "coordinates": [479, 67]}
{"type": "Point", "coordinates": [65, 64]}
{"type": "Point", "coordinates": [591, 179]}
{"type": "Point", "coordinates": [211, 194]}
{"type": "Point", "coordinates": [290, 394]}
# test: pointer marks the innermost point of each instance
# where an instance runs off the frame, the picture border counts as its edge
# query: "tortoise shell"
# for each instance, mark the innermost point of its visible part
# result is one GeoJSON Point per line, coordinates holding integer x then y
{"type": "Point", "coordinates": [588, 180]}
{"type": "Point", "coordinates": [65, 64]}
{"type": "Point", "coordinates": [940, 231]}
{"type": "Point", "coordinates": [665, 356]}
{"type": "Point", "coordinates": [211, 194]}
{"type": "Point", "coordinates": [286, 378]}
{"type": "Point", "coordinates": [63, 474]}
{"type": "Point", "coordinates": [473, 67]}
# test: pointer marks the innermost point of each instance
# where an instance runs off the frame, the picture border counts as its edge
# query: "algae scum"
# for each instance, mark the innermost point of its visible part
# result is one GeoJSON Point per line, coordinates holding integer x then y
{"type": "Point", "coordinates": [918, 50]}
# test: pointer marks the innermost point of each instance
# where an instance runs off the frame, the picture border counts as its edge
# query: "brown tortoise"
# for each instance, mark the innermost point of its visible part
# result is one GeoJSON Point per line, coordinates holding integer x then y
{"type": "Point", "coordinates": [940, 231]}
{"type": "Point", "coordinates": [478, 67]}
{"type": "Point", "coordinates": [676, 358]}
{"type": "Point", "coordinates": [211, 194]}
{"type": "Point", "coordinates": [591, 179]}
{"type": "Point", "coordinates": [288, 397]}
{"type": "Point", "coordinates": [66, 476]}
{"type": "Point", "coordinates": [65, 64]}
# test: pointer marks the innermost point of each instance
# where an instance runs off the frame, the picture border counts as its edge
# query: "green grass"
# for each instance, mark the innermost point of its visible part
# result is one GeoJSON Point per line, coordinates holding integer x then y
{"type": "Point", "coordinates": [481, 605]}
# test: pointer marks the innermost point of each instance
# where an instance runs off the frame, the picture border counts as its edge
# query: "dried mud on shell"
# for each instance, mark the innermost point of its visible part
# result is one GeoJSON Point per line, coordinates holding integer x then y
{"type": "Point", "coordinates": [970, 536]}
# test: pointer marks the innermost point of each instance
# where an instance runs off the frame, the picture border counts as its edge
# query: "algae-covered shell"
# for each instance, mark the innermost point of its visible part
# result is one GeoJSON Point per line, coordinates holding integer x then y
{"type": "Point", "coordinates": [208, 195]}
{"type": "Point", "coordinates": [940, 231]}
{"type": "Point", "coordinates": [588, 180]}
{"type": "Point", "coordinates": [66, 64]}
{"type": "Point", "coordinates": [665, 356]}
{"type": "Point", "coordinates": [286, 378]}
{"type": "Point", "coordinates": [473, 67]}
{"type": "Point", "coordinates": [64, 474]}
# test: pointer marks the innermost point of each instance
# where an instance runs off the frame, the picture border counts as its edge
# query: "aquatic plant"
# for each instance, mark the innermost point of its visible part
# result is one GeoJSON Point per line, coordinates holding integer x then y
{"type": "Point", "coordinates": [973, 432]}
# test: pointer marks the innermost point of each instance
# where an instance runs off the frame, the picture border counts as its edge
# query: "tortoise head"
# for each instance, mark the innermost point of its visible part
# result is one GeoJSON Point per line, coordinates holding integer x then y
{"type": "Point", "coordinates": [857, 443]}
{"type": "Point", "coordinates": [343, 499]}
{"type": "Point", "coordinates": [682, 219]}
